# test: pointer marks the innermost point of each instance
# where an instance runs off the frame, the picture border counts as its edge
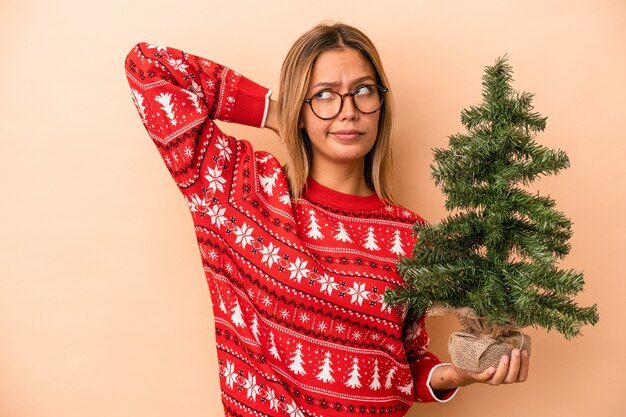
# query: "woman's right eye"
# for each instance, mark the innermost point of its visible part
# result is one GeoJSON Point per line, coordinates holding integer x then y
{"type": "Point", "coordinates": [324, 95]}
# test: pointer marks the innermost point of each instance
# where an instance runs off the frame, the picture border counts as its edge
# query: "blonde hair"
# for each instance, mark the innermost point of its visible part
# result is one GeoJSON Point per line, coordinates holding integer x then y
{"type": "Point", "coordinates": [294, 82]}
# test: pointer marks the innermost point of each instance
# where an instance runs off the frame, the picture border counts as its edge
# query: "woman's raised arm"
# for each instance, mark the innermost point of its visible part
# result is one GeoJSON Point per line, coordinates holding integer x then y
{"type": "Point", "coordinates": [178, 95]}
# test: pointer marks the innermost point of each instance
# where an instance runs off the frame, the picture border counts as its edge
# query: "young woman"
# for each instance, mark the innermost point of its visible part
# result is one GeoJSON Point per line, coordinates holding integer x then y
{"type": "Point", "coordinates": [298, 259]}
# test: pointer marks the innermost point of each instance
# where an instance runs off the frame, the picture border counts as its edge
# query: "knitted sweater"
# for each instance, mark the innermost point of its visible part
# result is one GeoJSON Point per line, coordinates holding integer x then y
{"type": "Point", "coordinates": [296, 286]}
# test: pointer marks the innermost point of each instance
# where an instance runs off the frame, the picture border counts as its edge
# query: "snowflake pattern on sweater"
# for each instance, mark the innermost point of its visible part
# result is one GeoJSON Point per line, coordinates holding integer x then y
{"type": "Point", "coordinates": [297, 286]}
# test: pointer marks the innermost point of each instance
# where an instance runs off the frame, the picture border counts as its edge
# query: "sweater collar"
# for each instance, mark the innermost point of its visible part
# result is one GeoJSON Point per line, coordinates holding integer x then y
{"type": "Point", "coordinates": [316, 192]}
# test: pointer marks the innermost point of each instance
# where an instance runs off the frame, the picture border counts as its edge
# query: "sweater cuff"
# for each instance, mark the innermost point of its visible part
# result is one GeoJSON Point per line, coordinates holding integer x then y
{"type": "Point", "coordinates": [443, 396]}
{"type": "Point", "coordinates": [251, 104]}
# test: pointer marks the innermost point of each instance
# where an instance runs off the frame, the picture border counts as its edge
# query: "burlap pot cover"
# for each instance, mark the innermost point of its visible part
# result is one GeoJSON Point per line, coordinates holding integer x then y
{"type": "Point", "coordinates": [481, 344]}
{"type": "Point", "coordinates": [479, 352]}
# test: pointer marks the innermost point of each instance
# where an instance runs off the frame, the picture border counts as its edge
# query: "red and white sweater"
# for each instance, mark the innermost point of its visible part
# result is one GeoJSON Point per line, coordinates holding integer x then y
{"type": "Point", "coordinates": [297, 286]}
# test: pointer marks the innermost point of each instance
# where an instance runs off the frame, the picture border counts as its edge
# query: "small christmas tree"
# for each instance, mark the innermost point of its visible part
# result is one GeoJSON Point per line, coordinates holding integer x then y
{"type": "Point", "coordinates": [297, 362]}
{"type": "Point", "coordinates": [273, 348]}
{"type": "Point", "coordinates": [314, 228]}
{"type": "Point", "coordinates": [355, 376]}
{"type": "Point", "coordinates": [255, 328]}
{"type": "Point", "coordinates": [495, 256]}
{"type": "Point", "coordinates": [342, 235]}
{"type": "Point", "coordinates": [375, 384]}
{"type": "Point", "coordinates": [389, 377]}
{"type": "Point", "coordinates": [370, 240]}
{"type": "Point", "coordinates": [325, 374]}
{"type": "Point", "coordinates": [397, 244]}
{"type": "Point", "coordinates": [237, 316]}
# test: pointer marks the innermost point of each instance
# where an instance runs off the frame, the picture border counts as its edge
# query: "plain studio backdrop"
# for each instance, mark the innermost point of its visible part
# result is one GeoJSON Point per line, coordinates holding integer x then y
{"type": "Point", "coordinates": [104, 308]}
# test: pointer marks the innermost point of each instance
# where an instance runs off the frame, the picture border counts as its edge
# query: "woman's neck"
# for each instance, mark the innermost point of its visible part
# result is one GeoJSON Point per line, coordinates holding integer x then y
{"type": "Point", "coordinates": [347, 179]}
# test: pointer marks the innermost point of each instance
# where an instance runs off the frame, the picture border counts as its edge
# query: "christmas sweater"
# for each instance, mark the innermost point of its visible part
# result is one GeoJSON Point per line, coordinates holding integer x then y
{"type": "Point", "coordinates": [296, 286]}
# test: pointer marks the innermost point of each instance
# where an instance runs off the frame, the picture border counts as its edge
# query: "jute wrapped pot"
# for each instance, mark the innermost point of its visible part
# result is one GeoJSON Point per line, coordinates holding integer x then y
{"type": "Point", "coordinates": [481, 345]}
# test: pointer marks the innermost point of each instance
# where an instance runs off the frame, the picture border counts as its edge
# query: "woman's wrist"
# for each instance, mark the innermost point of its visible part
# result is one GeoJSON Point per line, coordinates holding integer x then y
{"type": "Point", "coordinates": [444, 378]}
{"type": "Point", "coordinates": [272, 120]}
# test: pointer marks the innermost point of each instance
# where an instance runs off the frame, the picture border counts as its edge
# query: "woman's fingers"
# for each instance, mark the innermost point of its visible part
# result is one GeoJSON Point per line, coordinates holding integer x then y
{"type": "Point", "coordinates": [514, 367]}
{"type": "Point", "coordinates": [501, 371]}
{"type": "Point", "coordinates": [523, 372]}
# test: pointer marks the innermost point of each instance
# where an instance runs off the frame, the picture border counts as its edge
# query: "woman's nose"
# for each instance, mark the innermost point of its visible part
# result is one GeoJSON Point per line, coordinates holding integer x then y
{"type": "Point", "coordinates": [348, 109]}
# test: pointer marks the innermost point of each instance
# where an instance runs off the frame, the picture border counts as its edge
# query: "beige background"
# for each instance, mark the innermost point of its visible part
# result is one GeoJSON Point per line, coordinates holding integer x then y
{"type": "Point", "coordinates": [104, 310]}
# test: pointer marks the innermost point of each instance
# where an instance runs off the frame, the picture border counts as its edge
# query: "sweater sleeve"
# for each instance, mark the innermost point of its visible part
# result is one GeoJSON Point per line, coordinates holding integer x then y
{"type": "Point", "coordinates": [422, 362]}
{"type": "Point", "coordinates": [178, 95]}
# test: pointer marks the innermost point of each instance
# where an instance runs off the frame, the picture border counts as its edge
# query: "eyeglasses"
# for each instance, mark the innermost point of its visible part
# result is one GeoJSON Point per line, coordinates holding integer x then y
{"type": "Point", "coordinates": [327, 104]}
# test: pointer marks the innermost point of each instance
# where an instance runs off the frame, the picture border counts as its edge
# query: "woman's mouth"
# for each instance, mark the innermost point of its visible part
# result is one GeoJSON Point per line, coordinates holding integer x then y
{"type": "Point", "coordinates": [349, 134]}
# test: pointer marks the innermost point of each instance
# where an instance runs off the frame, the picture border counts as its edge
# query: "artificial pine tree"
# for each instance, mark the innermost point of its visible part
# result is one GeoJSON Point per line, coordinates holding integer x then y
{"type": "Point", "coordinates": [493, 260]}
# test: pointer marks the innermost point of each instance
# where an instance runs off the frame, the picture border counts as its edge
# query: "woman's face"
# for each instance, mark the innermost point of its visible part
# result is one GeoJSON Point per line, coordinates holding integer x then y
{"type": "Point", "coordinates": [348, 137]}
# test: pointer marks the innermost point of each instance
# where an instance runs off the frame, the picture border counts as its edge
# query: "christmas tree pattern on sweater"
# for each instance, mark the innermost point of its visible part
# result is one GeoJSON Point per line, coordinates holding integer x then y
{"type": "Point", "coordinates": [297, 287]}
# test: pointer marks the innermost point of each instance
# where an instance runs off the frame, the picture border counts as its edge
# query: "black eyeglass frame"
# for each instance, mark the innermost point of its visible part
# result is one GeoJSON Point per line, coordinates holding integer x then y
{"type": "Point", "coordinates": [380, 88]}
